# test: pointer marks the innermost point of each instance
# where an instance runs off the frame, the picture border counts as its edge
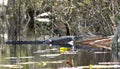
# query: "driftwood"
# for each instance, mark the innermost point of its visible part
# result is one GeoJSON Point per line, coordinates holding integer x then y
{"type": "Point", "coordinates": [97, 42]}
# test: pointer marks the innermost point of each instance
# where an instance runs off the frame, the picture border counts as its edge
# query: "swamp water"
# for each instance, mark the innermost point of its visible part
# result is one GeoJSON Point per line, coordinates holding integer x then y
{"type": "Point", "coordinates": [38, 57]}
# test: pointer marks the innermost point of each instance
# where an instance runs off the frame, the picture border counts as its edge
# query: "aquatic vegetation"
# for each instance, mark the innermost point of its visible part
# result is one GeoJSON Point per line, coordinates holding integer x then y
{"type": "Point", "coordinates": [42, 64]}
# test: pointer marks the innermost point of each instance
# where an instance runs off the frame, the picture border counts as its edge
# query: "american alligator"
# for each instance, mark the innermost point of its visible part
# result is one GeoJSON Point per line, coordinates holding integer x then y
{"type": "Point", "coordinates": [58, 41]}
{"type": "Point", "coordinates": [64, 41]}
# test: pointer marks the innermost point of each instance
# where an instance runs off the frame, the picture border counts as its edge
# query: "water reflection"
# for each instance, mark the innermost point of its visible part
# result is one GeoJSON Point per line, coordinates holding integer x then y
{"type": "Point", "coordinates": [29, 56]}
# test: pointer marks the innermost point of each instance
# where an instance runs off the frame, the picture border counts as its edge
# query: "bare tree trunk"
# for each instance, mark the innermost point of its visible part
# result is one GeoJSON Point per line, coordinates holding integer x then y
{"type": "Point", "coordinates": [13, 28]}
{"type": "Point", "coordinates": [116, 45]}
